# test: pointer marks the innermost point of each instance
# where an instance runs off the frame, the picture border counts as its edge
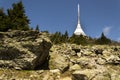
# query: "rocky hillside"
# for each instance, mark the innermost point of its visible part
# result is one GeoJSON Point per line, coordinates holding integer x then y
{"type": "Point", "coordinates": [98, 62]}
{"type": "Point", "coordinates": [29, 55]}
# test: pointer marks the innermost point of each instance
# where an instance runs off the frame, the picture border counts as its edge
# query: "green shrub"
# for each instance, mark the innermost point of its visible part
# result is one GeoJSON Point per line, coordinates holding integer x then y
{"type": "Point", "coordinates": [83, 40]}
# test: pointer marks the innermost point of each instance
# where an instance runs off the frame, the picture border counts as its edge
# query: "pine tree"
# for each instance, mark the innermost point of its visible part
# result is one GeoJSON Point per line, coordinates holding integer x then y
{"type": "Point", "coordinates": [103, 40]}
{"type": "Point", "coordinates": [3, 21]}
{"type": "Point", "coordinates": [1, 12]}
{"type": "Point", "coordinates": [37, 28]}
{"type": "Point", "coordinates": [64, 37]}
{"type": "Point", "coordinates": [17, 18]}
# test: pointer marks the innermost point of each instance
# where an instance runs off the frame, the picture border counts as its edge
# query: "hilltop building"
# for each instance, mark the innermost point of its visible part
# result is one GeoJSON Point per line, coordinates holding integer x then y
{"type": "Point", "coordinates": [79, 31]}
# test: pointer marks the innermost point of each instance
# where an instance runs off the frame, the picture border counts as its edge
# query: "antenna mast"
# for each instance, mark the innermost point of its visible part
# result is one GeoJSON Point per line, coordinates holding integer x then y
{"type": "Point", "coordinates": [78, 14]}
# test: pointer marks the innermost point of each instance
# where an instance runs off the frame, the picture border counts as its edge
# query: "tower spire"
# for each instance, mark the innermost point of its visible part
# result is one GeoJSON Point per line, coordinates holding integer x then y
{"type": "Point", "coordinates": [78, 14]}
{"type": "Point", "coordinates": [78, 30]}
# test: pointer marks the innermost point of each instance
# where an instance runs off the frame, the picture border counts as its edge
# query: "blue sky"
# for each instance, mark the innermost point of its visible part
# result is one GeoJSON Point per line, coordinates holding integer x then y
{"type": "Point", "coordinates": [96, 16]}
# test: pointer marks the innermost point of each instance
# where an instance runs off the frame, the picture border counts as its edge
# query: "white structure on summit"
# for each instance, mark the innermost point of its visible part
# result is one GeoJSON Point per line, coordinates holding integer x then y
{"type": "Point", "coordinates": [78, 30]}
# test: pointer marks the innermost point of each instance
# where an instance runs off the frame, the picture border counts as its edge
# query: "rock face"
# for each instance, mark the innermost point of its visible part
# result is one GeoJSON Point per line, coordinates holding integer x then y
{"type": "Point", "coordinates": [24, 49]}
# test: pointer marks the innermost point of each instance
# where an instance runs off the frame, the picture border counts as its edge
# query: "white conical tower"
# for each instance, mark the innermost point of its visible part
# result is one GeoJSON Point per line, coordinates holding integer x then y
{"type": "Point", "coordinates": [78, 30]}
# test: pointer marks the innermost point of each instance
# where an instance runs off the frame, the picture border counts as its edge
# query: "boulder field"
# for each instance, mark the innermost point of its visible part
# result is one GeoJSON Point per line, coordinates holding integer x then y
{"type": "Point", "coordinates": [92, 62]}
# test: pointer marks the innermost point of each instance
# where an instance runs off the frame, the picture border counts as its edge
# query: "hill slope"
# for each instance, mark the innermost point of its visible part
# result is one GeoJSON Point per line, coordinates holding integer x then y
{"type": "Point", "coordinates": [30, 55]}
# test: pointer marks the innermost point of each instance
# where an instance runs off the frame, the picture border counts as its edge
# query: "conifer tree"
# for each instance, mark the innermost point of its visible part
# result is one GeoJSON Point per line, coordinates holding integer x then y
{"type": "Point", "coordinates": [64, 37]}
{"type": "Point", "coordinates": [17, 18]}
{"type": "Point", "coordinates": [3, 18]}
{"type": "Point", "coordinates": [37, 28]}
{"type": "Point", "coordinates": [103, 40]}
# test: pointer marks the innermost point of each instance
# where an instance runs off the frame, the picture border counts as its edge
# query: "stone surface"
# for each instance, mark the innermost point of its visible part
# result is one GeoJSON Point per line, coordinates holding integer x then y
{"type": "Point", "coordinates": [24, 49]}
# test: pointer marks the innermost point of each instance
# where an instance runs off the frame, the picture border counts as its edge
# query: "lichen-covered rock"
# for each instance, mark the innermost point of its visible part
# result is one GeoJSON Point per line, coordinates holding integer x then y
{"type": "Point", "coordinates": [24, 49]}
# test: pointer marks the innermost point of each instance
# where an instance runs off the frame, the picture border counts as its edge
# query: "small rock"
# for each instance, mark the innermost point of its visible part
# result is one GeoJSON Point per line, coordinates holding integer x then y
{"type": "Point", "coordinates": [76, 50]}
{"type": "Point", "coordinates": [79, 54]}
{"type": "Point", "coordinates": [100, 61]}
{"type": "Point", "coordinates": [98, 51]}
{"type": "Point", "coordinates": [73, 53]}
{"type": "Point", "coordinates": [115, 49]}
{"type": "Point", "coordinates": [55, 71]}
{"type": "Point", "coordinates": [75, 67]}
{"type": "Point", "coordinates": [79, 77]}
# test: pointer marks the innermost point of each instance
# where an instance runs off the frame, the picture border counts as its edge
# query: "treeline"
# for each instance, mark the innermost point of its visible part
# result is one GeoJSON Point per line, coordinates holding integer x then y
{"type": "Point", "coordinates": [14, 19]}
{"type": "Point", "coordinates": [59, 38]}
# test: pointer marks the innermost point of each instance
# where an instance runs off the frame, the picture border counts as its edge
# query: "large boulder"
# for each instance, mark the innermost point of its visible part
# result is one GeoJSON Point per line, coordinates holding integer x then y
{"type": "Point", "coordinates": [24, 49]}
{"type": "Point", "coordinates": [58, 61]}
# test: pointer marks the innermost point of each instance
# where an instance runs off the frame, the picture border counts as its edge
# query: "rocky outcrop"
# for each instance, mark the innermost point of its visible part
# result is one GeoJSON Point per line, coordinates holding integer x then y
{"type": "Point", "coordinates": [24, 49]}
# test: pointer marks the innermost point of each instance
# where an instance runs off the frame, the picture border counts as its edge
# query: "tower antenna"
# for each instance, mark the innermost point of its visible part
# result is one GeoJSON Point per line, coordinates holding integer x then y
{"type": "Point", "coordinates": [78, 14]}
